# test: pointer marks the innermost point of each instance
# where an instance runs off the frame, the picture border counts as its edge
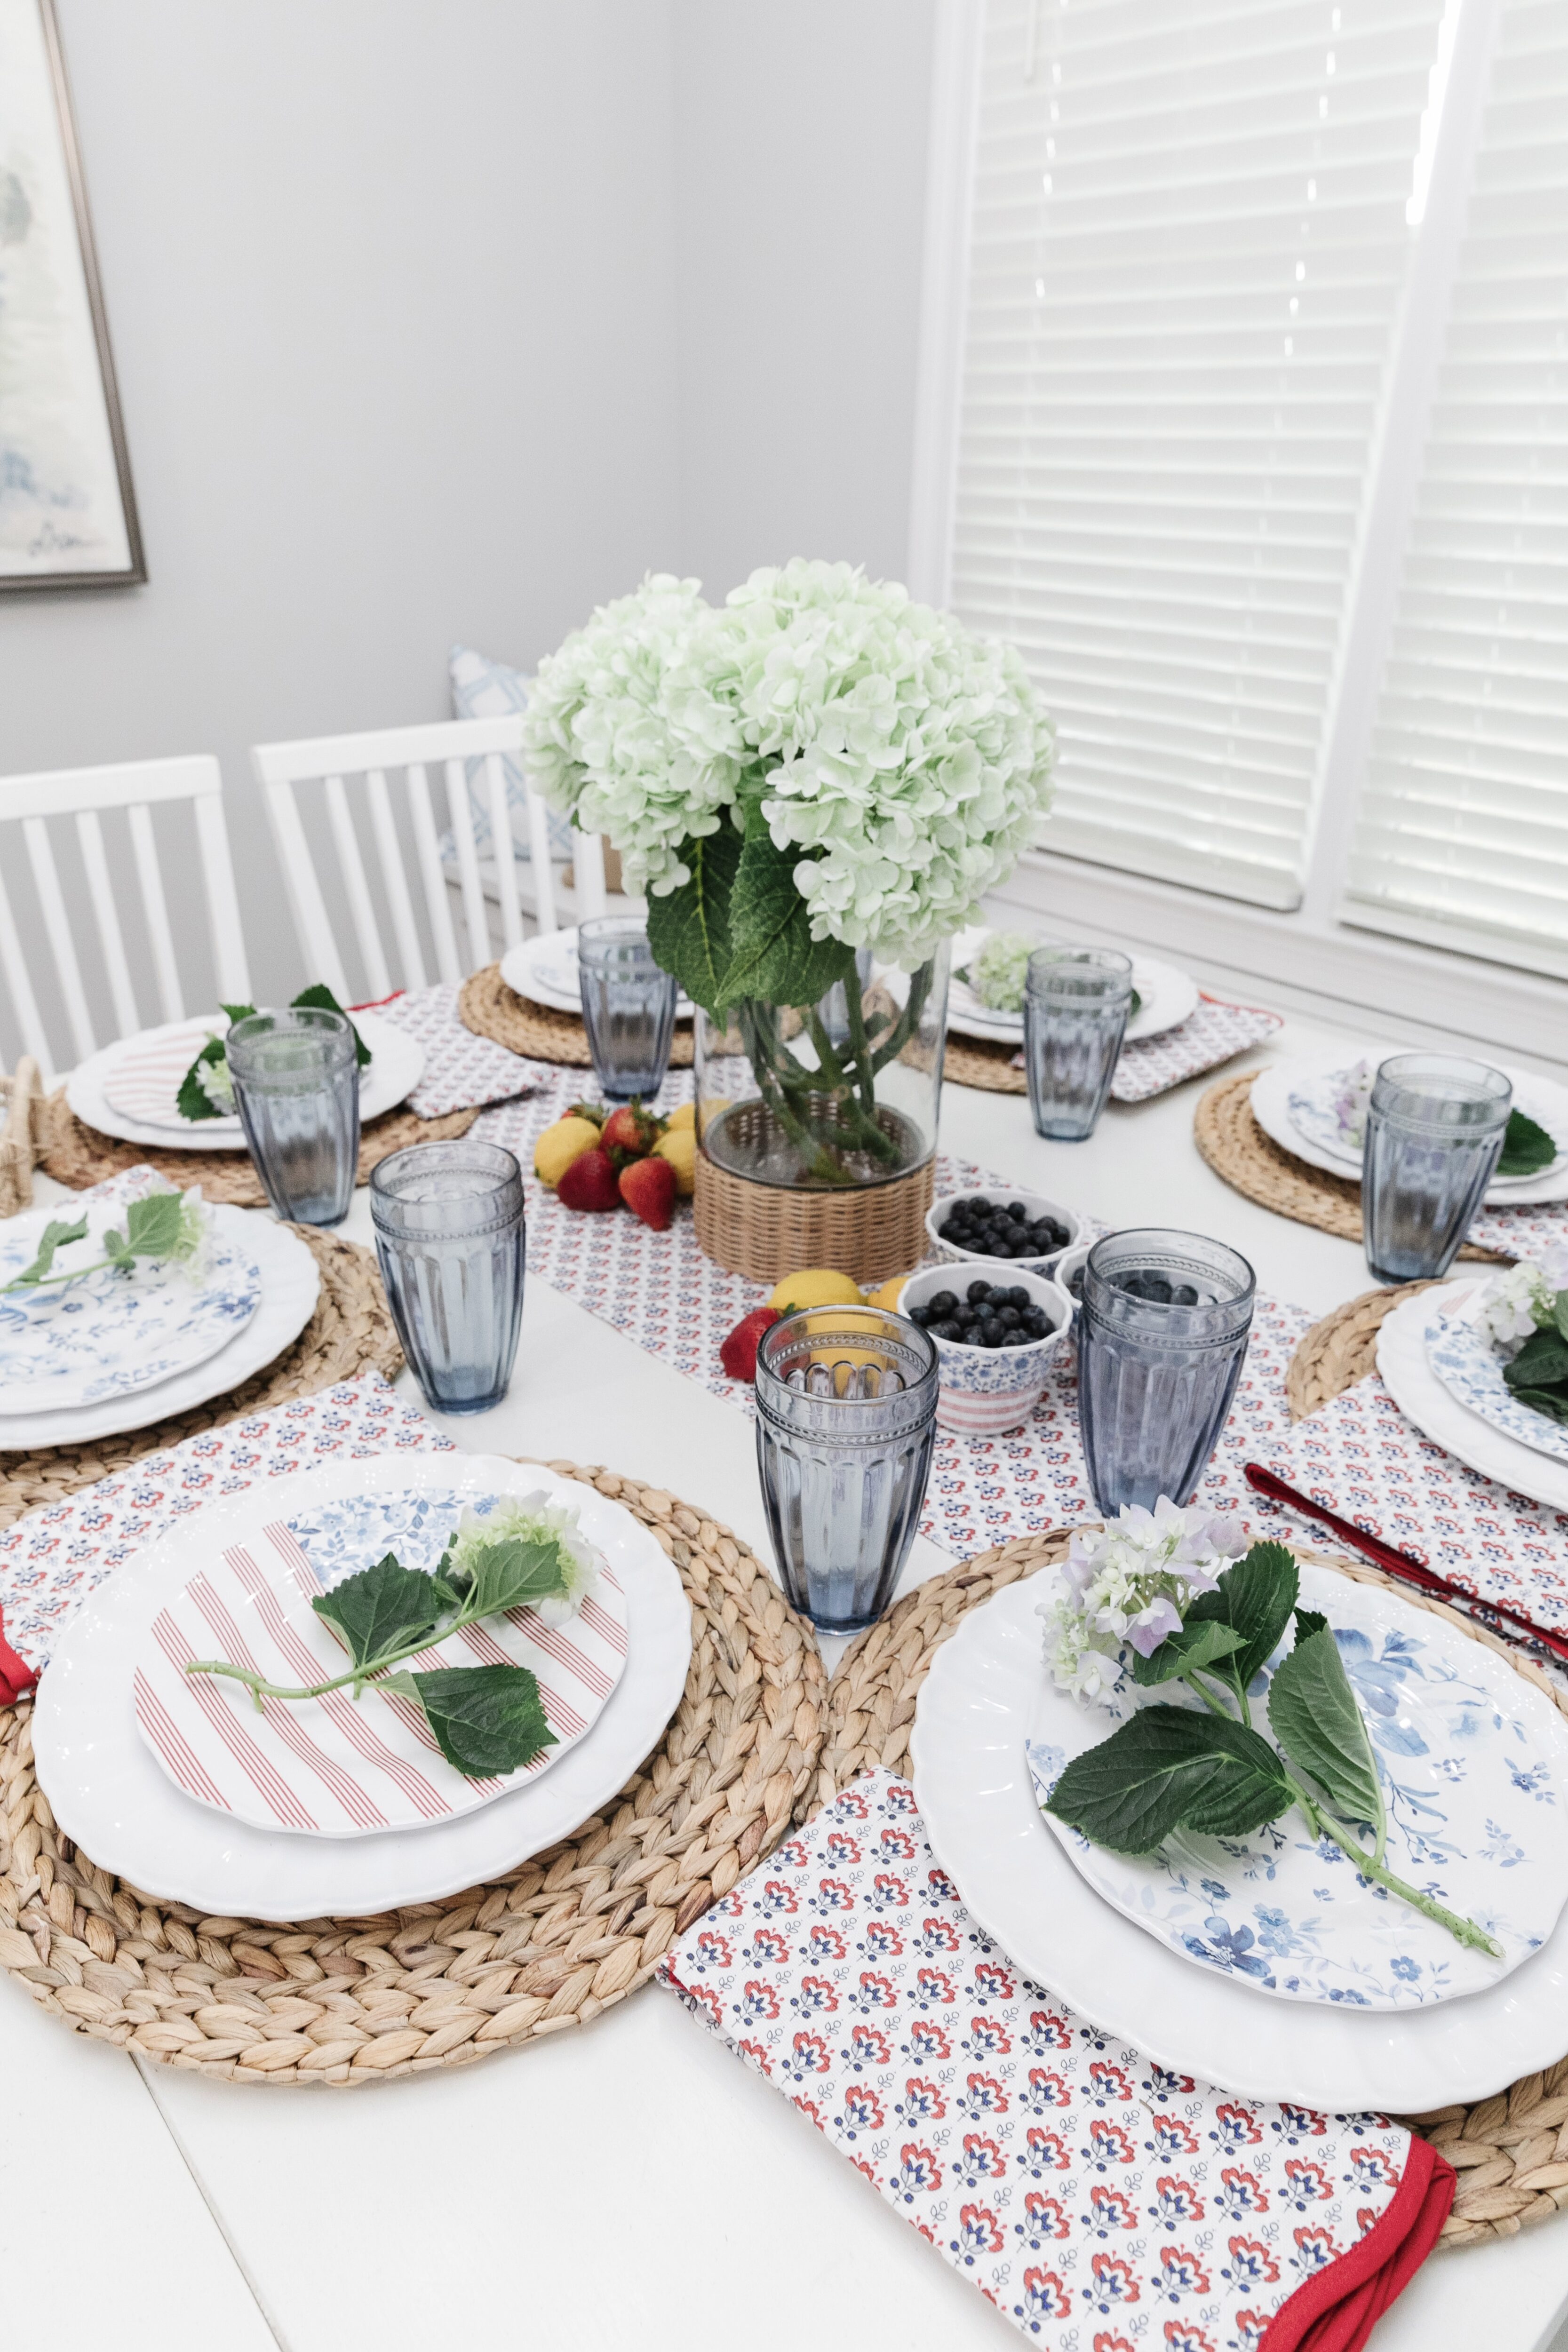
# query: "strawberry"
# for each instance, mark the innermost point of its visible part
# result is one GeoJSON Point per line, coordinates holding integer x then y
{"type": "Point", "coordinates": [647, 1187]}
{"type": "Point", "coordinates": [631, 1131]}
{"type": "Point", "coordinates": [739, 1353]}
{"type": "Point", "coordinates": [590, 1181]}
{"type": "Point", "coordinates": [594, 1111]}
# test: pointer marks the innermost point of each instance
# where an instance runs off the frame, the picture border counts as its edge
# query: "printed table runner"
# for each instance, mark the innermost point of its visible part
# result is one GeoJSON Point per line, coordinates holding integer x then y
{"type": "Point", "coordinates": [1098, 2201]}
{"type": "Point", "coordinates": [460, 1069]}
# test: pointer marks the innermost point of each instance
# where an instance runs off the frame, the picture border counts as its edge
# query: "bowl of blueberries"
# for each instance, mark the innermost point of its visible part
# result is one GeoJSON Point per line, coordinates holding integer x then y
{"type": "Point", "coordinates": [1022, 1229]}
{"type": "Point", "coordinates": [995, 1341]}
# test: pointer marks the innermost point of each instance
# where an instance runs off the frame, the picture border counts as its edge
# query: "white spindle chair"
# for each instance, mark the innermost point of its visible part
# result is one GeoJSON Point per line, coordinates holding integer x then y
{"type": "Point", "coordinates": [137, 786]}
{"type": "Point", "coordinates": [332, 761]}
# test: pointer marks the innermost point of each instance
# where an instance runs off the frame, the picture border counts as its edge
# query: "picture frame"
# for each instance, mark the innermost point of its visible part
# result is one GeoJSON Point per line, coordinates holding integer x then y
{"type": "Point", "coordinates": [68, 508]}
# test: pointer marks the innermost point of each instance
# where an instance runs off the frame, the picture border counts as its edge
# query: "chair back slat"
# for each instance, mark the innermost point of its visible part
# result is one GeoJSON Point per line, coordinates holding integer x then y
{"type": "Point", "coordinates": [393, 881]}
{"type": "Point", "coordinates": [352, 866]}
{"type": "Point", "coordinates": [305, 892]}
{"type": "Point", "coordinates": [437, 907]}
{"type": "Point", "coordinates": [461, 812]}
{"type": "Point", "coordinates": [588, 866]}
{"type": "Point", "coordinates": [505, 863]}
{"type": "Point", "coordinates": [90, 833]}
{"type": "Point", "coordinates": [13, 963]}
{"type": "Point", "coordinates": [543, 876]}
{"type": "Point", "coordinates": [150, 881]}
{"type": "Point", "coordinates": [52, 907]}
{"type": "Point", "coordinates": [222, 903]}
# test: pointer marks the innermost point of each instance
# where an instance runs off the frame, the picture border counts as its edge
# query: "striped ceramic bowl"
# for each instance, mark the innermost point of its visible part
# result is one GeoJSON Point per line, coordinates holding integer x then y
{"type": "Point", "coordinates": [984, 1391]}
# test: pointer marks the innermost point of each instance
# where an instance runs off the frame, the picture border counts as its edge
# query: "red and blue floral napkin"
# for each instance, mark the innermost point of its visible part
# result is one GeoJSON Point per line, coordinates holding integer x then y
{"type": "Point", "coordinates": [1101, 2202]}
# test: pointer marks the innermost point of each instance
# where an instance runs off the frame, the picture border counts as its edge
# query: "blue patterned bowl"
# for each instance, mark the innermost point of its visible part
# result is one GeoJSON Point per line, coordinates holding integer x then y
{"type": "Point", "coordinates": [983, 1391]}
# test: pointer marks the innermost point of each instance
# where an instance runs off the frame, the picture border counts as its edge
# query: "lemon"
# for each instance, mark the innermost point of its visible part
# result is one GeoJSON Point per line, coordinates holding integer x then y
{"type": "Point", "coordinates": [887, 1295]}
{"type": "Point", "coordinates": [678, 1146]}
{"type": "Point", "coordinates": [816, 1286]}
{"type": "Point", "coordinates": [681, 1121]}
{"type": "Point", "coordinates": [560, 1145]}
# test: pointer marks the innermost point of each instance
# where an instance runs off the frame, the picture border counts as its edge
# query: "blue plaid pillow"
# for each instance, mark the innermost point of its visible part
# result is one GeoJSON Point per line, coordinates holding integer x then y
{"type": "Point", "coordinates": [487, 690]}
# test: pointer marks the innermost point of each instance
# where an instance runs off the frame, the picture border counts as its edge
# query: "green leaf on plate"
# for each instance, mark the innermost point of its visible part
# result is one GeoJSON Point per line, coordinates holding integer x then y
{"type": "Point", "coordinates": [1171, 1768]}
{"type": "Point", "coordinates": [1540, 1363]}
{"type": "Point", "coordinates": [1308, 1622]}
{"type": "Point", "coordinates": [487, 1720]}
{"type": "Point", "coordinates": [1194, 1646]}
{"type": "Point", "coordinates": [512, 1572]}
{"type": "Point", "coordinates": [1552, 1403]}
{"type": "Point", "coordinates": [321, 995]}
{"type": "Point", "coordinates": [381, 1608]}
{"type": "Point", "coordinates": [1314, 1714]}
{"type": "Point", "coordinates": [1256, 1597]}
{"type": "Point", "coordinates": [152, 1226]}
{"type": "Point", "coordinates": [56, 1236]}
{"type": "Point", "coordinates": [1526, 1147]}
{"type": "Point", "coordinates": [193, 1101]}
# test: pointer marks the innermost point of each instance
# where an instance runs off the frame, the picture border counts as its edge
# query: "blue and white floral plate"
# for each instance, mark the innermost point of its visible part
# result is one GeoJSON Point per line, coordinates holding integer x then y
{"type": "Point", "coordinates": [1299, 1103]}
{"type": "Point", "coordinates": [117, 1332]}
{"type": "Point", "coordinates": [1198, 2015]}
{"type": "Point", "coordinates": [1462, 1354]}
{"type": "Point", "coordinates": [1476, 1787]}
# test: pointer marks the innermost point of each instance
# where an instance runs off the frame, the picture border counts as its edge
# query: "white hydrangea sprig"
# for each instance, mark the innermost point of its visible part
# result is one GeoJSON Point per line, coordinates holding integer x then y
{"type": "Point", "coordinates": [1128, 1584]}
{"type": "Point", "coordinates": [1523, 1299]}
{"type": "Point", "coordinates": [574, 1569]}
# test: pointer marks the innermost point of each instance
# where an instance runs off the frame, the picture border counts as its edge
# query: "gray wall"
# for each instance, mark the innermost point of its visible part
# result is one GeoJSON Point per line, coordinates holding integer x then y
{"type": "Point", "coordinates": [447, 321]}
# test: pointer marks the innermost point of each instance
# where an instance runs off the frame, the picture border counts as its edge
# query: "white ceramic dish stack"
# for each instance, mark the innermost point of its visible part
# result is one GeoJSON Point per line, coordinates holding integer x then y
{"type": "Point", "coordinates": [1291, 1102]}
{"type": "Point", "coordinates": [1167, 997]}
{"type": "Point", "coordinates": [544, 970]}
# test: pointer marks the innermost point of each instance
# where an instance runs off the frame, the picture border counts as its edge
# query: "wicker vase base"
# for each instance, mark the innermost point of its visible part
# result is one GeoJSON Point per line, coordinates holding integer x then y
{"type": "Point", "coordinates": [766, 1231]}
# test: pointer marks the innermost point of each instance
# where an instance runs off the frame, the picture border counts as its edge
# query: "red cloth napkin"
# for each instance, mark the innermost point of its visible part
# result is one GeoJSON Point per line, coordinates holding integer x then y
{"type": "Point", "coordinates": [1095, 2198]}
{"type": "Point", "coordinates": [17, 1676]}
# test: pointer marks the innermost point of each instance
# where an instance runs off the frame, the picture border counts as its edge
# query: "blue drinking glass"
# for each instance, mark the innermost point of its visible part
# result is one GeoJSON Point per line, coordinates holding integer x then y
{"type": "Point", "coordinates": [846, 1420]}
{"type": "Point", "coordinates": [449, 1233]}
{"type": "Point", "coordinates": [1161, 1342]}
{"type": "Point", "coordinates": [1433, 1133]}
{"type": "Point", "coordinates": [295, 1088]}
{"type": "Point", "coordinates": [1076, 1004]}
{"type": "Point", "coordinates": [628, 1007]}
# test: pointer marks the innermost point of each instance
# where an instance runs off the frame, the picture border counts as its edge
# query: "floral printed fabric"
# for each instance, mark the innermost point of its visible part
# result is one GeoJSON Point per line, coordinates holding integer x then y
{"type": "Point", "coordinates": [1213, 1034]}
{"type": "Point", "coordinates": [1098, 2201]}
{"type": "Point", "coordinates": [55, 1555]}
{"type": "Point", "coordinates": [460, 1069]}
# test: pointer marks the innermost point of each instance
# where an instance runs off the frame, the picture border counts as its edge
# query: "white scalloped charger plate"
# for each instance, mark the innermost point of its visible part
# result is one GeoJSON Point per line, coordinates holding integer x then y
{"type": "Point", "coordinates": [290, 1284]}
{"type": "Point", "coordinates": [1461, 1353]}
{"type": "Point", "coordinates": [1169, 995]}
{"type": "Point", "coordinates": [1271, 1106]}
{"type": "Point", "coordinates": [972, 1783]}
{"type": "Point", "coordinates": [108, 1792]}
{"type": "Point", "coordinates": [544, 970]}
{"type": "Point", "coordinates": [394, 1069]}
{"type": "Point", "coordinates": [1408, 1374]}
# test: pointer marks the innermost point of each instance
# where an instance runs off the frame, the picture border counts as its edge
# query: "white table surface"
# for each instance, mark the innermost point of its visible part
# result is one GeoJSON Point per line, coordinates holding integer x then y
{"type": "Point", "coordinates": [633, 2178]}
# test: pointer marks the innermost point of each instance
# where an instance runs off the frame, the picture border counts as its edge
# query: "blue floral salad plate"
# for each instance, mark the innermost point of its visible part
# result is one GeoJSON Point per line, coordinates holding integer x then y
{"type": "Point", "coordinates": [117, 1332]}
{"type": "Point", "coordinates": [1462, 1353]}
{"type": "Point", "coordinates": [1474, 1766]}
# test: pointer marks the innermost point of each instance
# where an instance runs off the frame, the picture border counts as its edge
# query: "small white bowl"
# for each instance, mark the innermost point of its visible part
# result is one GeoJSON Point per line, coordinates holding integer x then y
{"type": "Point", "coordinates": [1036, 1204]}
{"type": "Point", "coordinates": [983, 1391]}
{"type": "Point", "coordinates": [1071, 1263]}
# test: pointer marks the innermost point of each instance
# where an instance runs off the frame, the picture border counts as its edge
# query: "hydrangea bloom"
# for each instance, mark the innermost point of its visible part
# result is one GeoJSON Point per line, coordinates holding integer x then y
{"type": "Point", "coordinates": [1524, 1299]}
{"type": "Point", "coordinates": [534, 1519]}
{"type": "Point", "coordinates": [1352, 1101]}
{"type": "Point", "coordinates": [908, 760]}
{"type": "Point", "coordinates": [1130, 1583]}
{"type": "Point", "coordinates": [998, 973]}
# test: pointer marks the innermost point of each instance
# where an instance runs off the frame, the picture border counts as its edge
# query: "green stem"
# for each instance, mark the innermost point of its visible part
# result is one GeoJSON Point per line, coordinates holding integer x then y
{"type": "Point", "coordinates": [862, 1121]}
{"type": "Point", "coordinates": [1207, 1697]}
{"type": "Point", "coordinates": [45, 1280]}
{"type": "Point", "coordinates": [260, 1688]}
{"type": "Point", "coordinates": [904, 1028]}
{"type": "Point", "coordinates": [774, 1092]}
{"type": "Point", "coordinates": [1464, 1931]}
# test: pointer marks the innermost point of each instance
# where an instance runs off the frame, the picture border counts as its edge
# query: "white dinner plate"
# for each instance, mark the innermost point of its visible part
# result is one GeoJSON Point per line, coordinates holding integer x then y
{"type": "Point", "coordinates": [972, 1783]}
{"type": "Point", "coordinates": [110, 1794]}
{"type": "Point", "coordinates": [1168, 996]}
{"type": "Point", "coordinates": [336, 1766]}
{"type": "Point", "coordinates": [394, 1069]}
{"type": "Point", "coordinates": [1474, 1766]}
{"type": "Point", "coordinates": [289, 1283]}
{"type": "Point", "coordinates": [1405, 1366]}
{"type": "Point", "coordinates": [1461, 1351]}
{"type": "Point", "coordinates": [1273, 1090]}
{"type": "Point", "coordinates": [544, 970]}
{"type": "Point", "coordinates": [118, 1329]}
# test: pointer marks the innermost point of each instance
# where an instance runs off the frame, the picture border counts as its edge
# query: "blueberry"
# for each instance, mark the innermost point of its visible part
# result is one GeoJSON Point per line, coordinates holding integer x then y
{"type": "Point", "coordinates": [943, 1303]}
{"type": "Point", "coordinates": [940, 1330]}
{"type": "Point", "coordinates": [1016, 1340]}
{"type": "Point", "coordinates": [1016, 1296]}
{"type": "Point", "coordinates": [1036, 1323]}
{"type": "Point", "coordinates": [1183, 1295]}
{"type": "Point", "coordinates": [1157, 1288]}
{"type": "Point", "coordinates": [1008, 1317]}
{"type": "Point", "coordinates": [978, 1291]}
{"type": "Point", "coordinates": [962, 1313]}
{"type": "Point", "coordinates": [1015, 1209]}
{"type": "Point", "coordinates": [1074, 1283]}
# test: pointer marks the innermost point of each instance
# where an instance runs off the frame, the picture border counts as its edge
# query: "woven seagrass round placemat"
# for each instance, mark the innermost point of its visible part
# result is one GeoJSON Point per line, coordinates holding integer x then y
{"type": "Point", "coordinates": [76, 1154]}
{"type": "Point", "coordinates": [971, 1062]}
{"type": "Point", "coordinates": [491, 1009]}
{"type": "Point", "coordinates": [1250, 1161]}
{"type": "Point", "coordinates": [1510, 2151]}
{"type": "Point", "coordinates": [438, 1984]}
{"type": "Point", "coordinates": [1342, 1349]}
{"type": "Point", "coordinates": [350, 1329]}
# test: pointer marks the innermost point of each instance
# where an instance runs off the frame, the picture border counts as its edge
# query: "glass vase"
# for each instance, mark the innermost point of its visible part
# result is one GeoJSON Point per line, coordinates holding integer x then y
{"type": "Point", "coordinates": [832, 1096]}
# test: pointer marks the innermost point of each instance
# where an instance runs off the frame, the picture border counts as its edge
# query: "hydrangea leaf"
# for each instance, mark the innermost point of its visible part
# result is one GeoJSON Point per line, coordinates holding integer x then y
{"type": "Point", "coordinates": [1171, 1768]}
{"type": "Point", "coordinates": [319, 996]}
{"type": "Point", "coordinates": [487, 1720]}
{"type": "Point", "coordinates": [381, 1608]}
{"type": "Point", "coordinates": [1193, 1647]}
{"type": "Point", "coordinates": [689, 927]}
{"type": "Point", "coordinates": [1256, 1597]}
{"type": "Point", "coordinates": [1526, 1147]}
{"type": "Point", "coordinates": [1313, 1715]}
{"type": "Point", "coordinates": [57, 1235]}
{"type": "Point", "coordinates": [193, 1101]}
{"type": "Point", "coordinates": [772, 954]}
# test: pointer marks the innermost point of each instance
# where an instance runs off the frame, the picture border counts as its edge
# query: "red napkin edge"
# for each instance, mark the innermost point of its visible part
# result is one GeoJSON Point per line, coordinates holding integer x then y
{"type": "Point", "coordinates": [17, 1676]}
{"type": "Point", "coordinates": [1337, 2309]}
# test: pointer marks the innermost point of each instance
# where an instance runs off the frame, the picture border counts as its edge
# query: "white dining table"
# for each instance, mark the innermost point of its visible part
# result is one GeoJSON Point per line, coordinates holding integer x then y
{"type": "Point", "coordinates": [630, 2180]}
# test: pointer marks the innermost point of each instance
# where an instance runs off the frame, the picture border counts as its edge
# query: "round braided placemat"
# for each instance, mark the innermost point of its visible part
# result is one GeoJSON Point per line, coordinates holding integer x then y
{"type": "Point", "coordinates": [350, 1328]}
{"type": "Point", "coordinates": [1510, 2151]}
{"type": "Point", "coordinates": [1250, 1161]}
{"type": "Point", "coordinates": [76, 1154]}
{"type": "Point", "coordinates": [543, 1947]}
{"type": "Point", "coordinates": [1342, 1349]}
{"type": "Point", "coordinates": [491, 1009]}
{"type": "Point", "coordinates": [971, 1062]}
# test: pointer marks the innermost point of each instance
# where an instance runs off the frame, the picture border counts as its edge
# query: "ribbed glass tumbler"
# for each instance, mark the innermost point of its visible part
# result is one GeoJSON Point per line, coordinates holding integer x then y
{"type": "Point", "coordinates": [450, 1237]}
{"type": "Point", "coordinates": [845, 1418]}
{"type": "Point", "coordinates": [628, 1007]}
{"type": "Point", "coordinates": [296, 1087]}
{"type": "Point", "coordinates": [1161, 1342]}
{"type": "Point", "coordinates": [1076, 1005]}
{"type": "Point", "coordinates": [1434, 1132]}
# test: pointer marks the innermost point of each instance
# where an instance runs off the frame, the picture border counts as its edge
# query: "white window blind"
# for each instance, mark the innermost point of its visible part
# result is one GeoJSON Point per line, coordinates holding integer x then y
{"type": "Point", "coordinates": [1188, 240]}
{"type": "Point", "coordinates": [1463, 836]}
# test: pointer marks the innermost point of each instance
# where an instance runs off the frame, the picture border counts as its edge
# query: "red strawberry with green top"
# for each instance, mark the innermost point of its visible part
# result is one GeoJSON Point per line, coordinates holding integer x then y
{"type": "Point", "coordinates": [739, 1353]}
{"type": "Point", "coordinates": [593, 1111]}
{"type": "Point", "coordinates": [590, 1181]}
{"type": "Point", "coordinates": [631, 1131]}
{"type": "Point", "coordinates": [647, 1187]}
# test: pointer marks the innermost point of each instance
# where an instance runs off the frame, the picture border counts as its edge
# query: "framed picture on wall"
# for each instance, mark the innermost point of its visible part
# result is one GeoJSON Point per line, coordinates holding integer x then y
{"type": "Point", "coordinates": [67, 514]}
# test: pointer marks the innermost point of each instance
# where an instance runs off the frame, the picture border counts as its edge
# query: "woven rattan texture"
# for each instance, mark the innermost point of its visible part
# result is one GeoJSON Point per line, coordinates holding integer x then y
{"type": "Point", "coordinates": [971, 1062]}
{"type": "Point", "coordinates": [350, 1331]}
{"type": "Point", "coordinates": [491, 1009]}
{"type": "Point", "coordinates": [20, 1100]}
{"type": "Point", "coordinates": [1342, 1349]}
{"type": "Point", "coordinates": [440, 1984]}
{"type": "Point", "coordinates": [1237, 1149]}
{"type": "Point", "coordinates": [76, 1154]}
{"type": "Point", "coordinates": [1510, 2152]}
{"type": "Point", "coordinates": [766, 1231]}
